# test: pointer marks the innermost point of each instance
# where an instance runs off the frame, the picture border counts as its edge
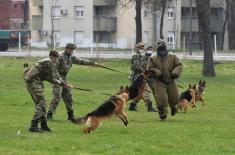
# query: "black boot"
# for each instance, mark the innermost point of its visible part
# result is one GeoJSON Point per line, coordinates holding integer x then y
{"type": "Point", "coordinates": [133, 107]}
{"type": "Point", "coordinates": [150, 107]}
{"type": "Point", "coordinates": [162, 116]}
{"type": "Point", "coordinates": [34, 126]}
{"type": "Point", "coordinates": [44, 126]}
{"type": "Point", "coordinates": [173, 111]}
{"type": "Point", "coordinates": [49, 116]}
{"type": "Point", "coordinates": [70, 115]}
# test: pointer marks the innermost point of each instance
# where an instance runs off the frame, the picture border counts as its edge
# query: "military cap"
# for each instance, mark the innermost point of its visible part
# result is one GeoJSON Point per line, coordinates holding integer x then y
{"type": "Point", "coordinates": [139, 45]}
{"type": "Point", "coordinates": [54, 53]}
{"type": "Point", "coordinates": [147, 46]}
{"type": "Point", "coordinates": [71, 45]}
{"type": "Point", "coordinates": [161, 43]}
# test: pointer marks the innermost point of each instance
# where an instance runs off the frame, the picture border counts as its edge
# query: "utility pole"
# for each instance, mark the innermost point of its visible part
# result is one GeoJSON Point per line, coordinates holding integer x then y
{"type": "Point", "coordinates": [191, 27]}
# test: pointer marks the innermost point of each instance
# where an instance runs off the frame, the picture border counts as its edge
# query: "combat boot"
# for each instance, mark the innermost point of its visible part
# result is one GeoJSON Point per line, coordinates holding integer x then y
{"type": "Point", "coordinates": [133, 107]}
{"type": "Point", "coordinates": [44, 126]}
{"type": "Point", "coordinates": [49, 116]}
{"type": "Point", "coordinates": [173, 111]}
{"type": "Point", "coordinates": [150, 107]}
{"type": "Point", "coordinates": [34, 126]}
{"type": "Point", "coordinates": [70, 115]}
{"type": "Point", "coordinates": [162, 116]}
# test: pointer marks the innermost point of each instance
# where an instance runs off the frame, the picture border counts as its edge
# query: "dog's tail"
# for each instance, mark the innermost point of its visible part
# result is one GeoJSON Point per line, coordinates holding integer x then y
{"type": "Point", "coordinates": [80, 120]}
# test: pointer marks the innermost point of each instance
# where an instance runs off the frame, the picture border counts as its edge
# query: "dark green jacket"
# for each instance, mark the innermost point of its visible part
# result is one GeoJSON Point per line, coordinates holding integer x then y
{"type": "Point", "coordinates": [165, 68]}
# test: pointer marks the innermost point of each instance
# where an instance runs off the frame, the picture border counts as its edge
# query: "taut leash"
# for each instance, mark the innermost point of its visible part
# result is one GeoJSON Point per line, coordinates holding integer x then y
{"type": "Point", "coordinates": [89, 90]}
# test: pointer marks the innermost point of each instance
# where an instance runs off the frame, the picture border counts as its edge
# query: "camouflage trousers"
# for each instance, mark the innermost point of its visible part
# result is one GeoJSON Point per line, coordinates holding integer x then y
{"type": "Point", "coordinates": [66, 95]}
{"type": "Point", "coordinates": [36, 90]}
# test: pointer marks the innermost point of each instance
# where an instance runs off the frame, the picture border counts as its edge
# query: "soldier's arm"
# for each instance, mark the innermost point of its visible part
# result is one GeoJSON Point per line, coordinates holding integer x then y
{"type": "Point", "coordinates": [79, 61]}
{"type": "Point", "coordinates": [57, 79]}
{"type": "Point", "coordinates": [150, 66]}
{"type": "Point", "coordinates": [175, 73]}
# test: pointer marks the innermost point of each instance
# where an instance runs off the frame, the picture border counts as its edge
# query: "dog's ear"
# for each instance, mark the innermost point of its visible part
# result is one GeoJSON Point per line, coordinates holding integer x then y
{"type": "Point", "coordinates": [200, 82]}
{"type": "Point", "coordinates": [121, 87]}
{"type": "Point", "coordinates": [127, 88]}
{"type": "Point", "coordinates": [204, 83]}
{"type": "Point", "coordinates": [189, 86]}
{"type": "Point", "coordinates": [194, 86]}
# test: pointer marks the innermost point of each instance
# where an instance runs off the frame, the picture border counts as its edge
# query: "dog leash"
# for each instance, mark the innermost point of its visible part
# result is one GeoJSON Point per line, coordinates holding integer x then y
{"type": "Point", "coordinates": [89, 90]}
{"type": "Point", "coordinates": [127, 73]}
{"type": "Point", "coordinates": [112, 69]}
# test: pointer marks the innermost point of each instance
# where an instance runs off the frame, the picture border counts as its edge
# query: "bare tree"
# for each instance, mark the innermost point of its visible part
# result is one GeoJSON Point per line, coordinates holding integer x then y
{"type": "Point", "coordinates": [154, 5]}
{"type": "Point", "coordinates": [163, 5]}
{"type": "Point", "coordinates": [138, 21]}
{"type": "Point", "coordinates": [159, 5]}
{"type": "Point", "coordinates": [52, 3]}
{"type": "Point", "coordinates": [203, 9]}
{"type": "Point", "coordinates": [231, 23]}
{"type": "Point", "coordinates": [225, 22]}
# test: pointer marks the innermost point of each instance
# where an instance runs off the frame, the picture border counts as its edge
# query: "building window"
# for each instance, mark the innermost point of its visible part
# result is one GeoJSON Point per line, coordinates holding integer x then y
{"type": "Point", "coordinates": [145, 13]}
{"type": "Point", "coordinates": [146, 34]}
{"type": "Point", "coordinates": [185, 12]}
{"type": "Point", "coordinates": [170, 13]}
{"type": "Point", "coordinates": [78, 37]}
{"type": "Point", "coordinates": [170, 38]}
{"type": "Point", "coordinates": [79, 11]}
{"type": "Point", "coordinates": [22, 25]}
{"type": "Point", "coordinates": [56, 11]}
{"type": "Point", "coordinates": [102, 37]}
{"type": "Point", "coordinates": [15, 6]}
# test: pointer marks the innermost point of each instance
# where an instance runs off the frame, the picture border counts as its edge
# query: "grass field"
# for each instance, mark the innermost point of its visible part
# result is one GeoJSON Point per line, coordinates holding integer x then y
{"type": "Point", "coordinates": [204, 130]}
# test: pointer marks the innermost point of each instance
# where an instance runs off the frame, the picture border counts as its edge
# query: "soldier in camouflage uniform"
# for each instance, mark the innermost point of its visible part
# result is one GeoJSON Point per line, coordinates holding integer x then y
{"type": "Point", "coordinates": [148, 52]}
{"type": "Point", "coordinates": [43, 70]}
{"type": "Point", "coordinates": [138, 65]}
{"type": "Point", "coordinates": [64, 64]}
{"type": "Point", "coordinates": [166, 67]}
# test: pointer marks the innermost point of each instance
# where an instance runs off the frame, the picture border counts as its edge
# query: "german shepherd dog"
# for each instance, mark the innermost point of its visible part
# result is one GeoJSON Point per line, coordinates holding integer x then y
{"type": "Point", "coordinates": [186, 97]}
{"type": "Point", "coordinates": [200, 91]}
{"type": "Point", "coordinates": [114, 106]}
{"type": "Point", "coordinates": [138, 86]}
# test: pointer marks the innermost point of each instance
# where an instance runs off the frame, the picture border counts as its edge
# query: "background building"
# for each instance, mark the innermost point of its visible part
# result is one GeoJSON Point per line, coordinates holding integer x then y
{"type": "Point", "coordinates": [12, 14]}
{"type": "Point", "coordinates": [111, 23]}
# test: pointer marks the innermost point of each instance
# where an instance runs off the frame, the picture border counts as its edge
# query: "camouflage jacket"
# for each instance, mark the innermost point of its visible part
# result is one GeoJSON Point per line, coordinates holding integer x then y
{"type": "Point", "coordinates": [64, 63]}
{"type": "Point", "coordinates": [43, 70]}
{"type": "Point", "coordinates": [145, 60]}
{"type": "Point", "coordinates": [137, 64]}
{"type": "Point", "coordinates": [165, 68]}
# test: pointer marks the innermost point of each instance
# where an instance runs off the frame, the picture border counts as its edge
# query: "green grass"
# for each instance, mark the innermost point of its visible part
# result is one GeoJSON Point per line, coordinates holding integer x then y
{"type": "Point", "coordinates": [204, 130]}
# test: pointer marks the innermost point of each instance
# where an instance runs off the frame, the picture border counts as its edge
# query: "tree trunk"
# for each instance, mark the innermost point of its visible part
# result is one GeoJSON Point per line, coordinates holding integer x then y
{"type": "Point", "coordinates": [26, 14]}
{"type": "Point", "coordinates": [203, 9]}
{"type": "Point", "coordinates": [231, 25]}
{"type": "Point", "coordinates": [138, 21]}
{"type": "Point", "coordinates": [163, 3]}
{"type": "Point", "coordinates": [225, 22]}
{"type": "Point", "coordinates": [154, 15]}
